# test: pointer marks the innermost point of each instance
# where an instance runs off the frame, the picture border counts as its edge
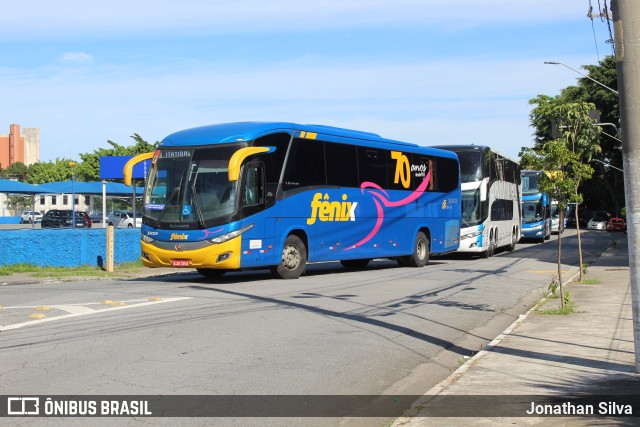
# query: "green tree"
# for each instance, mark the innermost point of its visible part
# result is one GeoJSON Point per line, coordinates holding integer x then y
{"type": "Point", "coordinates": [564, 171]}
{"type": "Point", "coordinates": [16, 170]}
{"type": "Point", "coordinates": [605, 189]}
{"type": "Point", "coordinates": [577, 131]}
{"type": "Point", "coordinates": [89, 168]}
{"type": "Point", "coordinates": [43, 172]}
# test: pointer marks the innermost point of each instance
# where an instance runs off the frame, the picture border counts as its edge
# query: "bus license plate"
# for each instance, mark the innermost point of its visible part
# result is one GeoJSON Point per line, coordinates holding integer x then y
{"type": "Point", "coordinates": [180, 262]}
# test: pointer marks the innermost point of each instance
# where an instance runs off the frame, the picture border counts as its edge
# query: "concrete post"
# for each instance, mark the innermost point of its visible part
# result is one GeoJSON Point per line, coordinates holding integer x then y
{"type": "Point", "coordinates": [626, 20]}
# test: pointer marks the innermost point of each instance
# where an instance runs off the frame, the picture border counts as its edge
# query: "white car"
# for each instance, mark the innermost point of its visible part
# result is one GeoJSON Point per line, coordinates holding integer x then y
{"type": "Point", "coordinates": [599, 224]}
{"type": "Point", "coordinates": [123, 219]}
{"type": "Point", "coordinates": [29, 216]}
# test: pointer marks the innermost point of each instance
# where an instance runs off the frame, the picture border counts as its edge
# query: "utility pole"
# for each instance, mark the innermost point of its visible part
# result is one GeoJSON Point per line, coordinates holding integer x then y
{"type": "Point", "coordinates": [626, 24]}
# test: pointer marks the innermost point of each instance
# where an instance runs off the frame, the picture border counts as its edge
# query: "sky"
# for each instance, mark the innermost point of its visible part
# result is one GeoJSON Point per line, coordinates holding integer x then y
{"type": "Point", "coordinates": [422, 71]}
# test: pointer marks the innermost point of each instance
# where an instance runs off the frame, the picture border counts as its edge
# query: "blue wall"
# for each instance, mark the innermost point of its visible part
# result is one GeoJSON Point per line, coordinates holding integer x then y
{"type": "Point", "coordinates": [66, 247]}
{"type": "Point", "coordinates": [9, 220]}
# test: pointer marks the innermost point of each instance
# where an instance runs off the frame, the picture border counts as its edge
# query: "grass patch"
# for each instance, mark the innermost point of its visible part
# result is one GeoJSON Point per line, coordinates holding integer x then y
{"type": "Point", "coordinates": [56, 272]}
{"type": "Point", "coordinates": [588, 282]}
{"type": "Point", "coordinates": [558, 311]}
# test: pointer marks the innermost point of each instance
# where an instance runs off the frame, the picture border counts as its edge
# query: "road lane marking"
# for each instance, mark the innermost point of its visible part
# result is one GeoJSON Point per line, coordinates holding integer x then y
{"type": "Point", "coordinates": [82, 310]}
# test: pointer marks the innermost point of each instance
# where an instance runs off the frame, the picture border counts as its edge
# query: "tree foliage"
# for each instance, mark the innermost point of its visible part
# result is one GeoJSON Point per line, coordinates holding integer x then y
{"type": "Point", "coordinates": [89, 168]}
{"type": "Point", "coordinates": [605, 189]}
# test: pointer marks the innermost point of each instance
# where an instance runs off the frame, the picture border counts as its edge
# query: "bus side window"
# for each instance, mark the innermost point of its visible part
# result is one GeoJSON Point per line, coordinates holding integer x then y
{"type": "Point", "coordinates": [253, 186]}
{"type": "Point", "coordinates": [372, 165]}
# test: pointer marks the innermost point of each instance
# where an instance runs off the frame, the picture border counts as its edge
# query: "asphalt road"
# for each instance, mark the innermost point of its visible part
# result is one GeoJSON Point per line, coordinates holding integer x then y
{"type": "Point", "coordinates": [384, 330]}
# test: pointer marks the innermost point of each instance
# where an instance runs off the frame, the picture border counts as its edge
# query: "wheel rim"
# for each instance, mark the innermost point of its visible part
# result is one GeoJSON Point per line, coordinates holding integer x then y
{"type": "Point", "coordinates": [290, 257]}
{"type": "Point", "coordinates": [421, 249]}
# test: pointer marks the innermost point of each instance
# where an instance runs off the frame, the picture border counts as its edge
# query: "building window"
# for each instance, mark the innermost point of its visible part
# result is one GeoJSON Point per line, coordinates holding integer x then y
{"type": "Point", "coordinates": [53, 200]}
{"type": "Point", "coordinates": [42, 200]}
{"type": "Point", "coordinates": [65, 199]}
{"type": "Point", "coordinates": [87, 200]}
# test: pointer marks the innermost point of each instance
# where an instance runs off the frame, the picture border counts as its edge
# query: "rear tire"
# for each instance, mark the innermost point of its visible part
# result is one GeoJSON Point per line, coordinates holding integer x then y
{"type": "Point", "coordinates": [293, 260]}
{"type": "Point", "coordinates": [514, 239]}
{"type": "Point", "coordinates": [211, 272]}
{"type": "Point", "coordinates": [420, 255]}
{"type": "Point", "coordinates": [355, 264]}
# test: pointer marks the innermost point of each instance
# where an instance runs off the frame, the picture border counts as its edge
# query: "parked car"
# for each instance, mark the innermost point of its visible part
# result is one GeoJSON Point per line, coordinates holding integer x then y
{"type": "Point", "coordinates": [123, 219]}
{"type": "Point", "coordinates": [617, 224]}
{"type": "Point", "coordinates": [597, 223]}
{"type": "Point", "coordinates": [96, 218]}
{"type": "Point", "coordinates": [62, 218]}
{"type": "Point", "coordinates": [86, 216]}
{"type": "Point", "coordinates": [30, 216]}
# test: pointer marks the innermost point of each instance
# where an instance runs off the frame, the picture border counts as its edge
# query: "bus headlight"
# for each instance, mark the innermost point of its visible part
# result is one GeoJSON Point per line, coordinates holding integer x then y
{"type": "Point", "coordinates": [472, 235]}
{"type": "Point", "coordinates": [228, 236]}
{"type": "Point", "coordinates": [147, 239]}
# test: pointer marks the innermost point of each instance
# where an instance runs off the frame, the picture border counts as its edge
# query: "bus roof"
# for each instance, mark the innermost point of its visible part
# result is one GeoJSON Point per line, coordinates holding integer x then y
{"type": "Point", "coordinates": [248, 131]}
{"type": "Point", "coordinates": [472, 147]}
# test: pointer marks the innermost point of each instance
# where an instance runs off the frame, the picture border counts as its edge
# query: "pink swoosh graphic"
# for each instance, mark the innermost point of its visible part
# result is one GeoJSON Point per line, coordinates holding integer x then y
{"type": "Point", "coordinates": [384, 198]}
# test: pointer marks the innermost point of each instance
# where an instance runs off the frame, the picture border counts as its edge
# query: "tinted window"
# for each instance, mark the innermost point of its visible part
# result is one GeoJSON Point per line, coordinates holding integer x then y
{"type": "Point", "coordinates": [273, 161]}
{"type": "Point", "coordinates": [501, 210]}
{"type": "Point", "coordinates": [448, 174]}
{"type": "Point", "coordinates": [373, 166]}
{"type": "Point", "coordinates": [305, 165]}
{"type": "Point", "coordinates": [342, 165]}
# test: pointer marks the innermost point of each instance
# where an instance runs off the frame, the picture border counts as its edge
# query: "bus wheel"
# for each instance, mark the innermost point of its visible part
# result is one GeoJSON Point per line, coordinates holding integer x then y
{"type": "Point", "coordinates": [420, 255]}
{"type": "Point", "coordinates": [490, 249]}
{"type": "Point", "coordinates": [355, 264]}
{"type": "Point", "coordinates": [512, 246]}
{"type": "Point", "coordinates": [293, 261]}
{"type": "Point", "coordinates": [211, 272]}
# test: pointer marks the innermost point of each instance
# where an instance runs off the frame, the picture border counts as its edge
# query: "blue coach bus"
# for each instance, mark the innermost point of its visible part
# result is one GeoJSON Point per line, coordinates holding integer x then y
{"type": "Point", "coordinates": [536, 208]}
{"type": "Point", "coordinates": [278, 195]}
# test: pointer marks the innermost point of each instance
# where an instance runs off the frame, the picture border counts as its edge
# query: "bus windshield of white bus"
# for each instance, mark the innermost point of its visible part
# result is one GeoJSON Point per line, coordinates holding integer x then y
{"type": "Point", "coordinates": [471, 214]}
{"type": "Point", "coordinates": [470, 165]}
{"type": "Point", "coordinates": [191, 186]}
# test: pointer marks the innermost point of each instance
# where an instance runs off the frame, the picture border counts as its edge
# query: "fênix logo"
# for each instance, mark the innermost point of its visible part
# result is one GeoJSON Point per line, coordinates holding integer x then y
{"type": "Point", "coordinates": [326, 210]}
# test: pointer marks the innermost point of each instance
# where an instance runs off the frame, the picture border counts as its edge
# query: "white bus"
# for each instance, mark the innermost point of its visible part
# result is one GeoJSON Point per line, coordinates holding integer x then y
{"type": "Point", "coordinates": [491, 200]}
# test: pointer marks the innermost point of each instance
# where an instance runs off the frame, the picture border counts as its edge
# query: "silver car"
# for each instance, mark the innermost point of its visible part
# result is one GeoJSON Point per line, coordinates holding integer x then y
{"type": "Point", "coordinates": [599, 224]}
{"type": "Point", "coordinates": [123, 219]}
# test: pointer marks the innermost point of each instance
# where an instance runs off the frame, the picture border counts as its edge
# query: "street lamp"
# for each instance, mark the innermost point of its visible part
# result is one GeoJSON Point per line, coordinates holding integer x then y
{"type": "Point", "coordinates": [583, 75]}
{"type": "Point", "coordinates": [607, 164]}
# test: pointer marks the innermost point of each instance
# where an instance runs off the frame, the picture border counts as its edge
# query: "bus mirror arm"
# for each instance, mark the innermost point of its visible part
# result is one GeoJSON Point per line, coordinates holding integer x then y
{"type": "Point", "coordinates": [239, 156]}
{"type": "Point", "coordinates": [128, 167]}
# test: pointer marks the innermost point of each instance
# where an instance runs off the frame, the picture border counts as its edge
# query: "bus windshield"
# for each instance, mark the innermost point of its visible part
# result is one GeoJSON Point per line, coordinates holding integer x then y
{"type": "Point", "coordinates": [470, 165]}
{"type": "Point", "coordinates": [191, 186]}
{"type": "Point", "coordinates": [532, 211]}
{"type": "Point", "coordinates": [471, 213]}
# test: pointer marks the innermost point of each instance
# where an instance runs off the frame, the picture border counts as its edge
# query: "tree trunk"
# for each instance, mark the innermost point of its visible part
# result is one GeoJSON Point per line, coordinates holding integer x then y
{"type": "Point", "coordinates": [579, 243]}
{"type": "Point", "coordinates": [560, 230]}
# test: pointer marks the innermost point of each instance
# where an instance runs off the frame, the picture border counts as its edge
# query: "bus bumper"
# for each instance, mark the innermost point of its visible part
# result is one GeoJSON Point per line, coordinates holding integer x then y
{"type": "Point", "coordinates": [224, 256]}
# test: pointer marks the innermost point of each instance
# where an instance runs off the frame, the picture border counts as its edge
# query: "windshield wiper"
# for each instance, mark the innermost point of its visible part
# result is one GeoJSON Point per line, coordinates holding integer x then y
{"type": "Point", "coordinates": [197, 203]}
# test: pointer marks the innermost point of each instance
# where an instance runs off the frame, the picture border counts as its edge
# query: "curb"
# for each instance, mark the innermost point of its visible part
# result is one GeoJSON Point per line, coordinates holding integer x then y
{"type": "Point", "coordinates": [438, 388]}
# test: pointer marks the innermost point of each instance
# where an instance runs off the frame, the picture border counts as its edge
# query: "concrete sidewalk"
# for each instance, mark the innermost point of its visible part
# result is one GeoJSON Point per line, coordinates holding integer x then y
{"type": "Point", "coordinates": [590, 352]}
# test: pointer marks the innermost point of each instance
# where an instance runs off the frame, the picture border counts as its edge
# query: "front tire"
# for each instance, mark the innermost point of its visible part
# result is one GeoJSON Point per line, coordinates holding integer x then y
{"type": "Point", "coordinates": [293, 259]}
{"type": "Point", "coordinates": [420, 255]}
{"type": "Point", "coordinates": [491, 249]}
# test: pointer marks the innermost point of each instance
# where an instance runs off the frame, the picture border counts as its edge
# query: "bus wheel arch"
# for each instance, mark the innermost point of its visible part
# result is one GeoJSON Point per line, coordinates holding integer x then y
{"type": "Point", "coordinates": [421, 249]}
{"type": "Point", "coordinates": [293, 258]}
